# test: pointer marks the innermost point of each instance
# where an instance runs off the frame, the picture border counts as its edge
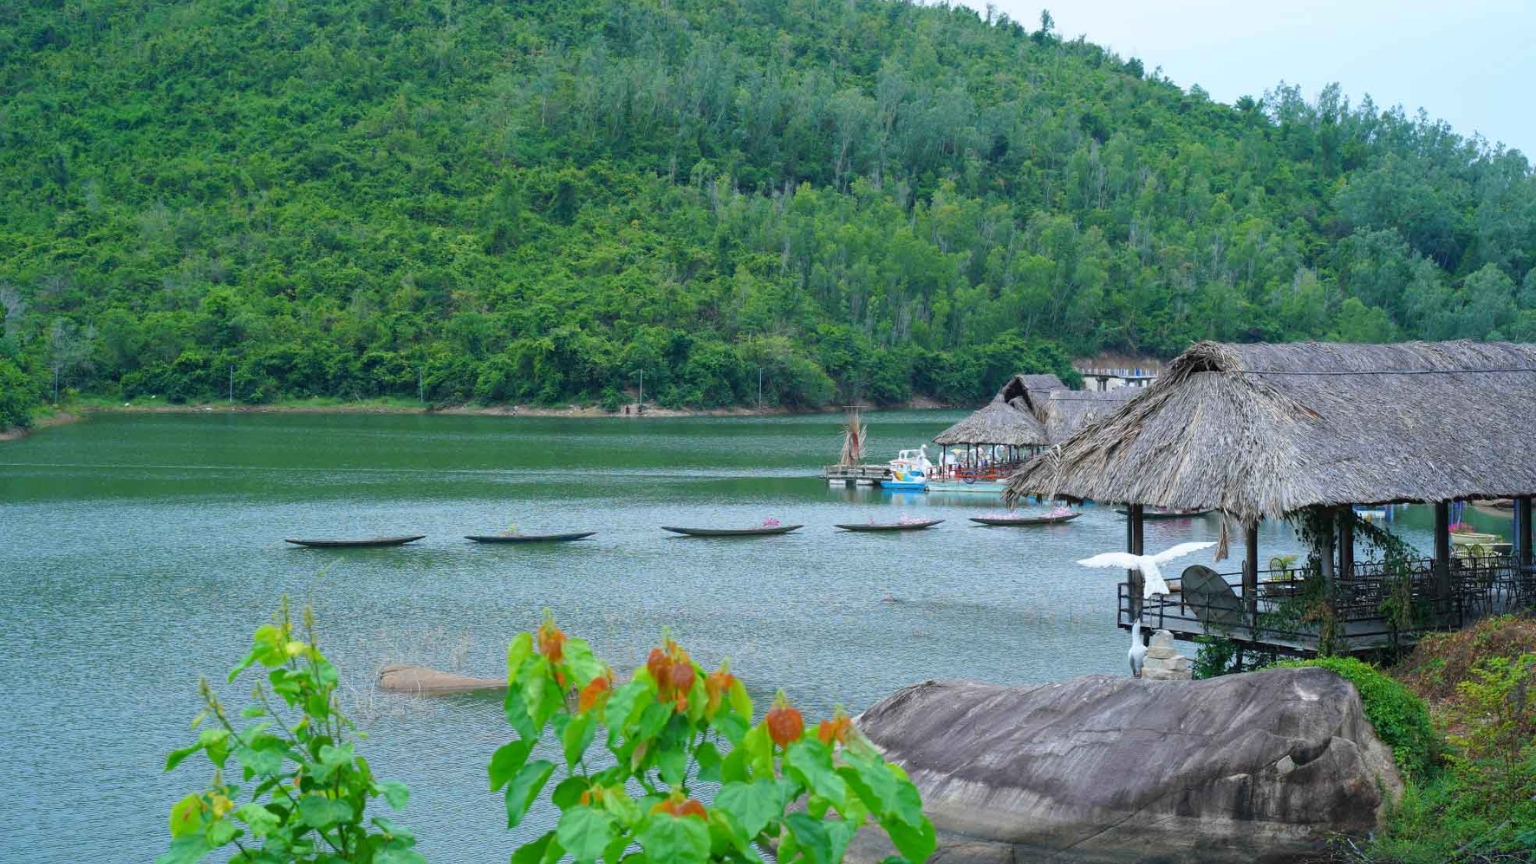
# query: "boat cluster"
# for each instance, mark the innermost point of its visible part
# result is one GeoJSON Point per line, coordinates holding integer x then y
{"type": "Point", "coordinates": [770, 527]}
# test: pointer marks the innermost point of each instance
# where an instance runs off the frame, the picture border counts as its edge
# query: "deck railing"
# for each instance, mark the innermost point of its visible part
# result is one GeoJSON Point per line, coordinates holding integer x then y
{"type": "Point", "coordinates": [1371, 606]}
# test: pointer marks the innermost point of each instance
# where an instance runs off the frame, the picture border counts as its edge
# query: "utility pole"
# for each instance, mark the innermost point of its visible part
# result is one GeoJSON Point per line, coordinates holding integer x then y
{"type": "Point", "coordinates": [640, 408]}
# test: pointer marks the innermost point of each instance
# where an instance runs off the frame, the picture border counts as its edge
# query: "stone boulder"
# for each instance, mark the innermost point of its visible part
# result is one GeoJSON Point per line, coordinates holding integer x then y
{"type": "Point", "coordinates": [1254, 768]}
{"type": "Point", "coordinates": [421, 680]}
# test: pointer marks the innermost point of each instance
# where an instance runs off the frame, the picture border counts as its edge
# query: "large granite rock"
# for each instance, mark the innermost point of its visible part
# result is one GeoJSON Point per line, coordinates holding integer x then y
{"type": "Point", "coordinates": [1245, 768]}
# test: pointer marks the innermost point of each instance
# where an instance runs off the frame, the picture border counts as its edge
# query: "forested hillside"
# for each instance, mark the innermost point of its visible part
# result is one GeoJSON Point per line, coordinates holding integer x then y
{"type": "Point", "coordinates": [536, 201]}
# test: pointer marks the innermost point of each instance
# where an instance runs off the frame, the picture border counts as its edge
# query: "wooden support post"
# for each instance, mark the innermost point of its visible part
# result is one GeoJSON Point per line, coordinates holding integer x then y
{"type": "Point", "coordinates": [1523, 553]}
{"type": "Point", "coordinates": [1133, 542]}
{"type": "Point", "coordinates": [1346, 541]}
{"type": "Point", "coordinates": [1251, 574]}
{"type": "Point", "coordinates": [1442, 550]}
{"type": "Point", "coordinates": [1326, 542]}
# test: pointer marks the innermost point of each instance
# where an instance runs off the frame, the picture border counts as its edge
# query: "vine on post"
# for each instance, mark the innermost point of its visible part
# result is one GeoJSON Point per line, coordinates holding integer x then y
{"type": "Point", "coordinates": [305, 791]}
{"type": "Point", "coordinates": [670, 728]}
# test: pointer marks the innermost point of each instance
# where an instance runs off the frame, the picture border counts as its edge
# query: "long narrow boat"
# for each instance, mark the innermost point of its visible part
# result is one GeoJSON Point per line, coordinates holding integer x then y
{"type": "Point", "coordinates": [529, 538]}
{"type": "Point", "coordinates": [361, 543]}
{"type": "Point", "coordinates": [1004, 521]}
{"type": "Point", "coordinates": [733, 532]}
{"type": "Point", "coordinates": [892, 526]}
{"type": "Point", "coordinates": [1150, 515]}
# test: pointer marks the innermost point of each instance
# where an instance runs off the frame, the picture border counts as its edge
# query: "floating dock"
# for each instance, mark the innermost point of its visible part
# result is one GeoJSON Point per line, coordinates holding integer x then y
{"type": "Point", "coordinates": [856, 475]}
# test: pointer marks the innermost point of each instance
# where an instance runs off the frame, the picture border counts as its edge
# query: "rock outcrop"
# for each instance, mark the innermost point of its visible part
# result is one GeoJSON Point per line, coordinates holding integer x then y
{"type": "Point", "coordinates": [420, 679]}
{"type": "Point", "coordinates": [1254, 768]}
{"type": "Point", "coordinates": [1163, 661]}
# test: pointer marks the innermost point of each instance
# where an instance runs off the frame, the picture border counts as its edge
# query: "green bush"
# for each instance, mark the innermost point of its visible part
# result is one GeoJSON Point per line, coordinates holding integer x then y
{"type": "Point", "coordinates": [1401, 718]}
{"type": "Point", "coordinates": [17, 396]}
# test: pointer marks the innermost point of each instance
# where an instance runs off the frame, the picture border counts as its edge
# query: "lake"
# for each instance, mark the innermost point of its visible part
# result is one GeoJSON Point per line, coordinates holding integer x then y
{"type": "Point", "coordinates": [140, 551]}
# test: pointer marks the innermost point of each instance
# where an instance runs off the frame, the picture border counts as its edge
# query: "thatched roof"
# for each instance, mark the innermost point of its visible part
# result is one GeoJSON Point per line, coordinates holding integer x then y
{"type": "Point", "coordinates": [1030, 388]}
{"type": "Point", "coordinates": [1000, 422]}
{"type": "Point", "coordinates": [1063, 412]}
{"type": "Point", "coordinates": [1265, 430]}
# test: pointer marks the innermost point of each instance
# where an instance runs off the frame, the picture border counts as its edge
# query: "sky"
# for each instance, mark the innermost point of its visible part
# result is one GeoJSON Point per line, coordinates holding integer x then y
{"type": "Point", "coordinates": [1472, 64]}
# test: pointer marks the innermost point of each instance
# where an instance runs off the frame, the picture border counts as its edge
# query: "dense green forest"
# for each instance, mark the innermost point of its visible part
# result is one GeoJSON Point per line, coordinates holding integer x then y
{"type": "Point", "coordinates": [537, 201]}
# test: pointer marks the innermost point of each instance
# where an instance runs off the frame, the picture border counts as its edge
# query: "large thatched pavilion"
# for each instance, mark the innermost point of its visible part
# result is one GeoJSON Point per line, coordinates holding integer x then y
{"type": "Point", "coordinates": [1302, 432]}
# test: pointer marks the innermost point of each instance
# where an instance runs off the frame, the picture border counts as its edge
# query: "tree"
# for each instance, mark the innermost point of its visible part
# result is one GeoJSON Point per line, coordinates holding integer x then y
{"type": "Point", "coordinates": [68, 348]}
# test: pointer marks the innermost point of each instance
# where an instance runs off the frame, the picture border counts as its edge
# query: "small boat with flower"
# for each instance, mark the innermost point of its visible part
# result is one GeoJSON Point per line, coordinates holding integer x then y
{"type": "Point", "coordinates": [1056, 516]}
{"type": "Point", "coordinates": [770, 527]}
{"type": "Point", "coordinates": [905, 523]}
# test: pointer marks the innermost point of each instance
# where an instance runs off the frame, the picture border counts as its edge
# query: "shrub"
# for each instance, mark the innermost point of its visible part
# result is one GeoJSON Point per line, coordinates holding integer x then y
{"type": "Point", "coordinates": [665, 730]}
{"type": "Point", "coordinates": [17, 396]}
{"type": "Point", "coordinates": [307, 790]}
{"type": "Point", "coordinates": [1400, 718]}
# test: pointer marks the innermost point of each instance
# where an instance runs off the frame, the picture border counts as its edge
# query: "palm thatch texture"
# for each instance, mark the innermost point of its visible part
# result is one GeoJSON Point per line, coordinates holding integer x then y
{"type": "Point", "coordinates": [1063, 412]}
{"type": "Point", "coordinates": [855, 438]}
{"type": "Point", "coordinates": [1261, 431]}
{"type": "Point", "coordinates": [1000, 422]}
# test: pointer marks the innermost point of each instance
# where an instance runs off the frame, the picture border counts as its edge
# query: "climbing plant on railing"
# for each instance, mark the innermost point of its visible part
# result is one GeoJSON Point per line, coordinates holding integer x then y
{"type": "Point", "coordinates": [635, 753]}
{"type": "Point", "coordinates": [304, 788]}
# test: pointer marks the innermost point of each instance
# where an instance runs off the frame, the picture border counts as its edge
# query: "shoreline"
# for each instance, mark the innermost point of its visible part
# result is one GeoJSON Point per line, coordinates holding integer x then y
{"type": "Point", "coordinates": [76, 412]}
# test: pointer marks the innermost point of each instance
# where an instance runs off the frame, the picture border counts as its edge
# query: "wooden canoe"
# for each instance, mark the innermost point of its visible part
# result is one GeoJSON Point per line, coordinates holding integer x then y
{"type": "Point", "coordinates": [732, 532]}
{"type": "Point", "coordinates": [1002, 521]}
{"type": "Point", "coordinates": [529, 538]}
{"type": "Point", "coordinates": [362, 543]}
{"type": "Point", "coordinates": [1150, 515]}
{"type": "Point", "coordinates": [892, 526]}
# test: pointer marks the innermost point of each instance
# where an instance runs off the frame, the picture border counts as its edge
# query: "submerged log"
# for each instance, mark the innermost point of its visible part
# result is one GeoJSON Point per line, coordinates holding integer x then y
{"type": "Point", "coordinates": [1249, 768]}
{"type": "Point", "coordinates": [419, 679]}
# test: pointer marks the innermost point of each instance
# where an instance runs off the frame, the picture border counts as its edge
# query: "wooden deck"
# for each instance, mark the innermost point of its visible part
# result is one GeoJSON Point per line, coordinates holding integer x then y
{"type": "Point", "coordinates": [1474, 588]}
{"type": "Point", "coordinates": [860, 475]}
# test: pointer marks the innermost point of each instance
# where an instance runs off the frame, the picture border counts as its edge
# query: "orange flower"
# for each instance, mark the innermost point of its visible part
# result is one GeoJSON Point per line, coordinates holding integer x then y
{"type": "Point", "coordinates": [836, 729]}
{"type": "Point", "coordinates": [595, 694]}
{"type": "Point", "coordinates": [785, 725]}
{"type": "Point", "coordinates": [680, 807]}
{"type": "Point", "coordinates": [551, 639]}
{"type": "Point", "coordinates": [716, 685]}
{"type": "Point", "coordinates": [658, 665]}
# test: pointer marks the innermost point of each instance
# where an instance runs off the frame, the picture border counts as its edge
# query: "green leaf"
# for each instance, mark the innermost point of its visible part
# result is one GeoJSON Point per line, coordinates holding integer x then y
{"type": "Point", "coordinates": [915, 844]}
{"type": "Point", "coordinates": [216, 743]}
{"type": "Point", "coordinates": [518, 650]}
{"type": "Point", "coordinates": [708, 757]}
{"type": "Point", "coordinates": [264, 761]}
{"type": "Point", "coordinates": [525, 787]}
{"type": "Point", "coordinates": [332, 759]}
{"type": "Point", "coordinates": [668, 838]}
{"type": "Point", "coordinates": [754, 804]}
{"type": "Point", "coordinates": [568, 792]}
{"type": "Point", "coordinates": [540, 693]}
{"type": "Point", "coordinates": [320, 812]}
{"type": "Point", "coordinates": [579, 659]}
{"type": "Point", "coordinates": [398, 855]}
{"type": "Point", "coordinates": [622, 806]}
{"type": "Point", "coordinates": [577, 737]}
{"type": "Point", "coordinates": [507, 761]}
{"type": "Point", "coordinates": [186, 850]}
{"type": "Point", "coordinates": [187, 816]}
{"type": "Point", "coordinates": [731, 726]}
{"type": "Point", "coordinates": [654, 719]}
{"type": "Point", "coordinates": [812, 836]}
{"type": "Point", "coordinates": [261, 820]}
{"type": "Point", "coordinates": [878, 787]}
{"type": "Point", "coordinates": [395, 793]}
{"type": "Point", "coordinates": [518, 717]}
{"type": "Point", "coordinates": [740, 702]}
{"type": "Point", "coordinates": [616, 849]}
{"type": "Point", "coordinates": [176, 757]}
{"type": "Point", "coordinates": [733, 769]}
{"type": "Point", "coordinates": [532, 853]}
{"type": "Point", "coordinates": [585, 832]}
{"type": "Point", "coordinates": [388, 826]}
{"type": "Point", "coordinates": [759, 749]}
{"type": "Point", "coordinates": [623, 707]}
{"type": "Point", "coordinates": [673, 765]}
{"type": "Point", "coordinates": [810, 762]}
{"type": "Point", "coordinates": [221, 832]}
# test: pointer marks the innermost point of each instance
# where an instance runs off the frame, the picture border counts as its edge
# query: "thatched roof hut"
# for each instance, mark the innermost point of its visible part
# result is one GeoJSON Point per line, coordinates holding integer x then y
{"type": "Point", "coordinates": [1030, 386]}
{"type": "Point", "coordinates": [1000, 422]}
{"type": "Point", "coordinates": [1266, 430]}
{"type": "Point", "coordinates": [1063, 412]}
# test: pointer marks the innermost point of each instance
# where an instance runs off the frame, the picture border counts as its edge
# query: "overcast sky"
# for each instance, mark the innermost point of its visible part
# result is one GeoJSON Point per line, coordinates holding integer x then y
{"type": "Point", "coordinates": [1472, 63]}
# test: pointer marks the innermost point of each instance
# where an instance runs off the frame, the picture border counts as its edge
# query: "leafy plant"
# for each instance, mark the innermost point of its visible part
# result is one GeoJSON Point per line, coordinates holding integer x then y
{"type": "Point", "coordinates": [1400, 718]}
{"type": "Point", "coordinates": [1497, 712]}
{"type": "Point", "coordinates": [305, 789]}
{"type": "Point", "coordinates": [635, 755]}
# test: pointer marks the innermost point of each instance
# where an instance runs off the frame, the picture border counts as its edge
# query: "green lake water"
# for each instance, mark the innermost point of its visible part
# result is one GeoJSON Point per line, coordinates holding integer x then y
{"type": "Point", "coordinates": [139, 551]}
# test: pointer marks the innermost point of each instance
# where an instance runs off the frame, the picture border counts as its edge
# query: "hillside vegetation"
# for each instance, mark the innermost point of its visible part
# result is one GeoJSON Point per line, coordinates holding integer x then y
{"type": "Point", "coordinates": [537, 201]}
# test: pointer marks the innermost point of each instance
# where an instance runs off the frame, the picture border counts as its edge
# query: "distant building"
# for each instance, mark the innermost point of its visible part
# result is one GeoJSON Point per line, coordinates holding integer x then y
{"type": "Point", "coordinates": [1099, 379]}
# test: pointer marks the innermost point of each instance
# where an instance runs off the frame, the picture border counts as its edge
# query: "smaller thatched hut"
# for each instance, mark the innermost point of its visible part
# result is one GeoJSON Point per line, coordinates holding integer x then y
{"type": "Point", "coordinates": [1063, 412]}
{"type": "Point", "coordinates": [1000, 422]}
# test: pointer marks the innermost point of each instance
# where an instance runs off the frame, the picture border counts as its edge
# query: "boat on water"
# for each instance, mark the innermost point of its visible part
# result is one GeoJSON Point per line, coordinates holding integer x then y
{"type": "Point", "coordinates": [1013, 521]}
{"type": "Point", "coordinates": [762, 531]}
{"type": "Point", "coordinates": [530, 538]}
{"type": "Point", "coordinates": [360, 543]}
{"type": "Point", "coordinates": [902, 525]}
{"type": "Point", "coordinates": [1150, 513]}
{"type": "Point", "coordinates": [909, 471]}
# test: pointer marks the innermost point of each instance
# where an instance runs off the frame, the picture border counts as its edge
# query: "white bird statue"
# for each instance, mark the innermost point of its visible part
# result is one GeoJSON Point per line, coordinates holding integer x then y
{"type": "Point", "coordinates": [1146, 564]}
{"type": "Point", "coordinates": [1138, 651]}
